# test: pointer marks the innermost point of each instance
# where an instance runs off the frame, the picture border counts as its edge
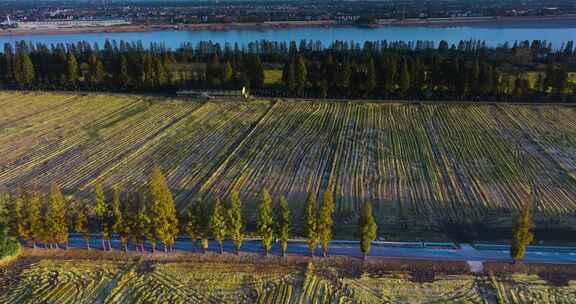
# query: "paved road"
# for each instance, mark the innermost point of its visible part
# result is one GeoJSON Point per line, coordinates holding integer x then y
{"type": "Point", "coordinates": [400, 250]}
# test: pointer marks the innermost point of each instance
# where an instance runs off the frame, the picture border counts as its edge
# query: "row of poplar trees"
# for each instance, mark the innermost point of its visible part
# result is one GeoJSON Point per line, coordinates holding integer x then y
{"type": "Point", "coordinates": [151, 216]}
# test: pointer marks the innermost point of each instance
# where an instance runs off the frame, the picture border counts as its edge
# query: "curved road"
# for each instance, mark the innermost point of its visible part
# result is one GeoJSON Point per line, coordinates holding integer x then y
{"type": "Point", "coordinates": [396, 250]}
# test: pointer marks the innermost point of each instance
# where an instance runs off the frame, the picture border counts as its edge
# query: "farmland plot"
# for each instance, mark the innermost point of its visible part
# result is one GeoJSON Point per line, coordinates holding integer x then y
{"type": "Point", "coordinates": [290, 152]}
{"type": "Point", "coordinates": [197, 283]}
{"type": "Point", "coordinates": [399, 288]}
{"type": "Point", "coordinates": [116, 140]}
{"type": "Point", "coordinates": [82, 139]}
{"type": "Point", "coordinates": [141, 280]}
{"type": "Point", "coordinates": [418, 164]}
{"type": "Point", "coordinates": [532, 289]}
{"type": "Point", "coordinates": [60, 282]}
{"type": "Point", "coordinates": [189, 152]}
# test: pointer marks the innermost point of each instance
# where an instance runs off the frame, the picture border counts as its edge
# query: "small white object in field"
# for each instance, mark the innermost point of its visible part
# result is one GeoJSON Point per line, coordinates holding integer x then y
{"type": "Point", "coordinates": [475, 266]}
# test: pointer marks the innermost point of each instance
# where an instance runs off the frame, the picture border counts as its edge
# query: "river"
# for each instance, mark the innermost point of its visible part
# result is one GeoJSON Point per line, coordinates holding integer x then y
{"type": "Point", "coordinates": [493, 34]}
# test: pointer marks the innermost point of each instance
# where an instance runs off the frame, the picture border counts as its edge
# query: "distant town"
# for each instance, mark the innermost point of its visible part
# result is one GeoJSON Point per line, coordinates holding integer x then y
{"type": "Point", "coordinates": [30, 15]}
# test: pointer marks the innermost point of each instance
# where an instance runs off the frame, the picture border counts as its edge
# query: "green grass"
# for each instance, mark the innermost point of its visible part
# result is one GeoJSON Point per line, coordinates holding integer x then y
{"type": "Point", "coordinates": [272, 77]}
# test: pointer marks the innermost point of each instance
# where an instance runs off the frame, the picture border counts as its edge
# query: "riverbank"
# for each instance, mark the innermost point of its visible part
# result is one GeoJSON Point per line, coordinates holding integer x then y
{"type": "Point", "coordinates": [513, 22]}
{"type": "Point", "coordinates": [164, 27]}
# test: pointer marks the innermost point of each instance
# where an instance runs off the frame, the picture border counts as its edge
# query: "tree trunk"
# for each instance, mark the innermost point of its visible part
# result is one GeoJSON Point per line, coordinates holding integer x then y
{"type": "Point", "coordinates": [88, 244]}
{"type": "Point", "coordinates": [221, 247]}
{"type": "Point", "coordinates": [325, 252]}
{"type": "Point", "coordinates": [103, 244]}
{"type": "Point", "coordinates": [125, 248]}
{"type": "Point", "coordinates": [364, 256]}
{"type": "Point", "coordinates": [34, 244]}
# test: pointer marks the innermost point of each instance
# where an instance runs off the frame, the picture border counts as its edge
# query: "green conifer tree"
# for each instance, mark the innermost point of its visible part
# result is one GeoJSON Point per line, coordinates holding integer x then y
{"type": "Point", "coordinates": [311, 224]}
{"type": "Point", "coordinates": [283, 224]}
{"type": "Point", "coordinates": [102, 211]}
{"type": "Point", "coordinates": [218, 223]}
{"type": "Point", "coordinates": [301, 75]}
{"type": "Point", "coordinates": [236, 220]}
{"type": "Point", "coordinates": [72, 71]}
{"type": "Point", "coordinates": [164, 217]}
{"type": "Point", "coordinates": [23, 70]}
{"type": "Point", "coordinates": [370, 84]}
{"type": "Point", "coordinates": [368, 229]}
{"type": "Point", "coordinates": [521, 236]}
{"type": "Point", "coordinates": [192, 224]}
{"type": "Point", "coordinates": [404, 79]}
{"type": "Point", "coordinates": [140, 226]}
{"type": "Point", "coordinates": [227, 74]}
{"type": "Point", "coordinates": [96, 71]}
{"type": "Point", "coordinates": [81, 223]}
{"type": "Point", "coordinates": [326, 221]}
{"type": "Point", "coordinates": [264, 220]}
{"type": "Point", "coordinates": [34, 218]}
{"type": "Point", "coordinates": [21, 218]}
{"type": "Point", "coordinates": [56, 223]}
{"type": "Point", "coordinates": [121, 224]}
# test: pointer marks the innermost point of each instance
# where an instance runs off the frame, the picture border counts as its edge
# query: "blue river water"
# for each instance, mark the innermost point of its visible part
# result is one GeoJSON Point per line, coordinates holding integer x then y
{"type": "Point", "coordinates": [493, 34]}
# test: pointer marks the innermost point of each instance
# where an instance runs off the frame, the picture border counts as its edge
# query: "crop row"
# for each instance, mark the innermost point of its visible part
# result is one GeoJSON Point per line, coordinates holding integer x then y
{"type": "Point", "coordinates": [416, 163]}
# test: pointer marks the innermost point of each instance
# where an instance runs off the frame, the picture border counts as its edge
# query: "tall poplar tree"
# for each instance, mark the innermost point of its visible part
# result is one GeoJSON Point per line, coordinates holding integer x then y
{"type": "Point", "coordinates": [123, 78]}
{"type": "Point", "coordinates": [23, 70]}
{"type": "Point", "coordinates": [218, 224]}
{"type": "Point", "coordinates": [404, 79]}
{"type": "Point", "coordinates": [301, 74]}
{"type": "Point", "coordinates": [102, 211]}
{"type": "Point", "coordinates": [56, 223]}
{"type": "Point", "coordinates": [235, 220]}
{"type": "Point", "coordinates": [121, 224]}
{"type": "Point", "coordinates": [34, 218]}
{"type": "Point", "coordinates": [370, 84]}
{"type": "Point", "coordinates": [368, 229]}
{"type": "Point", "coordinates": [140, 226]}
{"type": "Point", "coordinates": [521, 235]}
{"type": "Point", "coordinates": [72, 71]}
{"type": "Point", "coordinates": [81, 223]}
{"type": "Point", "coordinates": [4, 215]}
{"type": "Point", "coordinates": [164, 217]}
{"type": "Point", "coordinates": [326, 221]}
{"type": "Point", "coordinates": [192, 225]}
{"type": "Point", "coordinates": [283, 224]}
{"type": "Point", "coordinates": [21, 226]}
{"type": "Point", "coordinates": [96, 71]}
{"type": "Point", "coordinates": [311, 224]}
{"type": "Point", "coordinates": [264, 220]}
{"type": "Point", "coordinates": [227, 74]}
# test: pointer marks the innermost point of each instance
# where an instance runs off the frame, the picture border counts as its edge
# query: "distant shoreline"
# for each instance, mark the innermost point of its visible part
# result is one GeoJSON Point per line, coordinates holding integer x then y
{"type": "Point", "coordinates": [440, 22]}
